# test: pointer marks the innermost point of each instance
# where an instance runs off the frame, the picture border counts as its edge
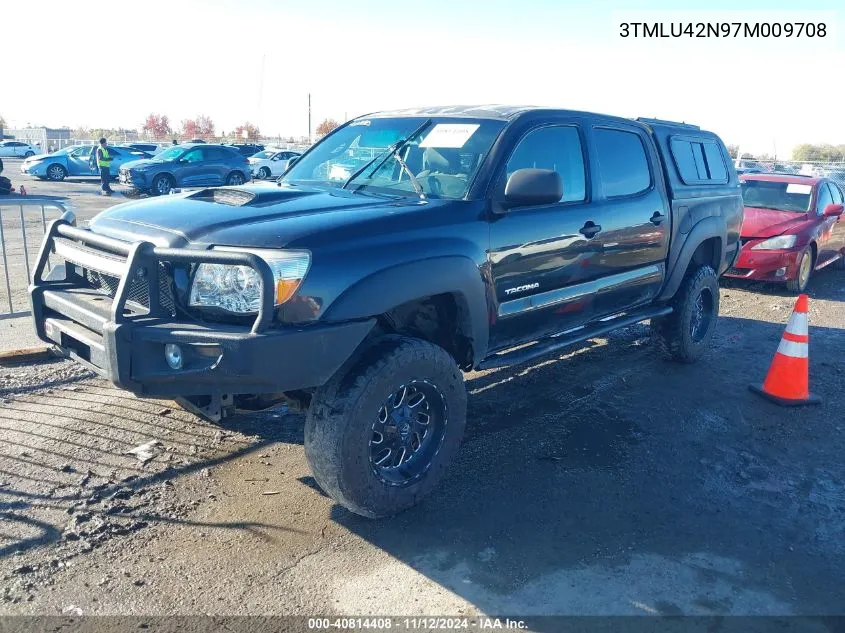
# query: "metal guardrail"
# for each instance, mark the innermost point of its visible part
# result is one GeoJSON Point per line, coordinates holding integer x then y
{"type": "Point", "coordinates": [23, 225]}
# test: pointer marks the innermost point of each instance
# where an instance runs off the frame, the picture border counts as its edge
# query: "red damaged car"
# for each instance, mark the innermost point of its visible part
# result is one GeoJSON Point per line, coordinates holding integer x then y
{"type": "Point", "coordinates": [792, 226]}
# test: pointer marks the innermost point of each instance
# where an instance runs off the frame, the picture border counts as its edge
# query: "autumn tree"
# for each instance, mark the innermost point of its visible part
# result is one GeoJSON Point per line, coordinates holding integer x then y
{"type": "Point", "coordinates": [199, 127]}
{"type": "Point", "coordinates": [732, 150]}
{"type": "Point", "coordinates": [326, 126]}
{"type": "Point", "coordinates": [247, 130]}
{"type": "Point", "coordinates": [157, 126]}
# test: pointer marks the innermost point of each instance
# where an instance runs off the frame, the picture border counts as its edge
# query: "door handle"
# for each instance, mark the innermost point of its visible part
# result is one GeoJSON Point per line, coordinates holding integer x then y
{"type": "Point", "coordinates": [657, 218]}
{"type": "Point", "coordinates": [590, 229]}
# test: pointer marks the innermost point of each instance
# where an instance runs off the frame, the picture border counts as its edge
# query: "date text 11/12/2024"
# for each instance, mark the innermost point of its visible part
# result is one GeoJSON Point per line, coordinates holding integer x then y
{"type": "Point", "coordinates": [417, 623]}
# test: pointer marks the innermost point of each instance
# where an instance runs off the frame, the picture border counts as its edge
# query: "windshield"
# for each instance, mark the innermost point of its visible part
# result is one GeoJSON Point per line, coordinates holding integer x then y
{"type": "Point", "coordinates": [169, 154]}
{"type": "Point", "coordinates": [267, 153]}
{"type": "Point", "coordinates": [444, 156]}
{"type": "Point", "coordinates": [781, 196]}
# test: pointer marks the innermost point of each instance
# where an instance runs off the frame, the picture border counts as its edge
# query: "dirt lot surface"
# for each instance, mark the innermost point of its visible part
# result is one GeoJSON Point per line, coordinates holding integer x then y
{"type": "Point", "coordinates": [602, 481]}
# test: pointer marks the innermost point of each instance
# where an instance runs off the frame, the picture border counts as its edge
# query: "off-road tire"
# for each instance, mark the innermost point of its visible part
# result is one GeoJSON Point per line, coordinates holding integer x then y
{"type": "Point", "coordinates": [339, 423]}
{"type": "Point", "coordinates": [796, 285]}
{"type": "Point", "coordinates": [672, 333]}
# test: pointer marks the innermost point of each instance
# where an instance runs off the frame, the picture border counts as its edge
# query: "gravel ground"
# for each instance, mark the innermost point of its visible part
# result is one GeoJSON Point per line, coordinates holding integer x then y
{"type": "Point", "coordinates": [601, 481]}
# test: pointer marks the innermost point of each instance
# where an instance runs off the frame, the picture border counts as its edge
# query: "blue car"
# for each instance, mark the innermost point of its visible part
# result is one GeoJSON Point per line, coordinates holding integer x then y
{"type": "Point", "coordinates": [75, 161]}
{"type": "Point", "coordinates": [189, 165]}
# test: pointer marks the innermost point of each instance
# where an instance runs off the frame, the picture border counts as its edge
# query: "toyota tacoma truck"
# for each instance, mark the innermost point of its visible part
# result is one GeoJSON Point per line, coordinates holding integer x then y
{"type": "Point", "coordinates": [362, 284]}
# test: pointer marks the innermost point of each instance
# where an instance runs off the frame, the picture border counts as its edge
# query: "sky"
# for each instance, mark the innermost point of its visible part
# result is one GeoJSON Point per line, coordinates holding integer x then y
{"type": "Point", "coordinates": [258, 61]}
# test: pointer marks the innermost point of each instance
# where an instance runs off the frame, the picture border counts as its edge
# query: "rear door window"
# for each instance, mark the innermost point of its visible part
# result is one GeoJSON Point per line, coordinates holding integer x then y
{"type": "Point", "coordinates": [216, 154]}
{"type": "Point", "coordinates": [623, 163]}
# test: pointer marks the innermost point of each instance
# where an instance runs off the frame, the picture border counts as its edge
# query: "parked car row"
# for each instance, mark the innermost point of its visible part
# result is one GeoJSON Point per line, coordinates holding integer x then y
{"type": "Point", "coordinates": [76, 161]}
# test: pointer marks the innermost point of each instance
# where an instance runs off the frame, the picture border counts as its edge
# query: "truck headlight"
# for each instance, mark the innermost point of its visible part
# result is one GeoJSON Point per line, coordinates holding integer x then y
{"type": "Point", "coordinates": [237, 288]}
{"type": "Point", "coordinates": [776, 243]}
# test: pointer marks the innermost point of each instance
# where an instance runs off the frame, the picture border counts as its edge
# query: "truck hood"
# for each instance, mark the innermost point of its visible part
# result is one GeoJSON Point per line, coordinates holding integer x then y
{"type": "Point", "coordinates": [770, 222]}
{"type": "Point", "coordinates": [262, 215]}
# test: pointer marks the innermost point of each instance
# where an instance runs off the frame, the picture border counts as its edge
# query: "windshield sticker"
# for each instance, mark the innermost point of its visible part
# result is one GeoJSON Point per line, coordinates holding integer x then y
{"type": "Point", "coordinates": [452, 135]}
{"type": "Point", "coordinates": [795, 187]}
{"type": "Point", "coordinates": [355, 123]}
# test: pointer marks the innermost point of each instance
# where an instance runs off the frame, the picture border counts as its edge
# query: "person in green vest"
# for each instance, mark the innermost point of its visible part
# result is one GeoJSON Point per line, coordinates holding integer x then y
{"type": "Point", "coordinates": [103, 159]}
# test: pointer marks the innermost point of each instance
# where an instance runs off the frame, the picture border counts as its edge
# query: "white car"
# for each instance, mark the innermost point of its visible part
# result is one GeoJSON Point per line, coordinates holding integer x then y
{"type": "Point", "coordinates": [16, 148]}
{"type": "Point", "coordinates": [270, 162]}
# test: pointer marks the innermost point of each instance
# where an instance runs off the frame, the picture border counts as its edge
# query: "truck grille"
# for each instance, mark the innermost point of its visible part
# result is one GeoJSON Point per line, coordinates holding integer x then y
{"type": "Point", "coordinates": [138, 290]}
{"type": "Point", "coordinates": [100, 274]}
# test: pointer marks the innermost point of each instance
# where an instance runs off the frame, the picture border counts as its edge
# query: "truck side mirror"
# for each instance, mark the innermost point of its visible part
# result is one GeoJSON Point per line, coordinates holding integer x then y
{"type": "Point", "coordinates": [532, 187]}
{"type": "Point", "coordinates": [833, 210]}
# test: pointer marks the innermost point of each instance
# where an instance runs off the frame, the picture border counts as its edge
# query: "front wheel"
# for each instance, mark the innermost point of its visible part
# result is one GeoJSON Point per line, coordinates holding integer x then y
{"type": "Point", "coordinates": [235, 178]}
{"type": "Point", "coordinates": [685, 334]}
{"type": "Point", "coordinates": [802, 277]}
{"type": "Point", "coordinates": [28, 154]}
{"type": "Point", "coordinates": [381, 433]}
{"type": "Point", "coordinates": [56, 173]}
{"type": "Point", "coordinates": [162, 184]}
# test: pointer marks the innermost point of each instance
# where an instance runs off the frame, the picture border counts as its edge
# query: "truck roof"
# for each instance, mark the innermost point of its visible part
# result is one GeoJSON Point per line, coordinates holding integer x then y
{"type": "Point", "coordinates": [502, 112]}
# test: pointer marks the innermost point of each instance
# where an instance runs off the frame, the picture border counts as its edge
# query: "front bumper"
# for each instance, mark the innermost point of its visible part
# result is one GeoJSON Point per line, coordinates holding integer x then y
{"type": "Point", "coordinates": [135, 180]}
{"type": "Point", "coordinates": [38, 170]}
{"type": "Point", "coordinates": [779, 265]}
{"type": "Point", "coordinates": [124, 341]}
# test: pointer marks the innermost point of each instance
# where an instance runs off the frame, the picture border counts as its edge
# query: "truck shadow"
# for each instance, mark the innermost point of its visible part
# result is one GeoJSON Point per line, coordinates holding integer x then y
{"type": "Point", "coordinates": [615, 483]}
{"type": "Point", "coordinates": [601, 481]}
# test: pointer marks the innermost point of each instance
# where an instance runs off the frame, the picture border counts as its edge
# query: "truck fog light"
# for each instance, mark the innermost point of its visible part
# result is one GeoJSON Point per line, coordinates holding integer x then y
{"type": "Point", "coordinates": [780, 272]}
{"type": "Point", "coordinates": [173, 355]}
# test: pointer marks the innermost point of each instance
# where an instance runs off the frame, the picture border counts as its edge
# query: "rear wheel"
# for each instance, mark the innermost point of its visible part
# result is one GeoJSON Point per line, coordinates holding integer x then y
{"type": "Point", "coordinates": [805, 271]}
{"type": "Point", "coordinates": [264, 173]}
{"type": "Point", "coordinates": [162, 184]}
{"type": "Point", "coordinates": [235, 178]}
{"type": "Point", "coordinates": [381, 433]}
{"type": "Point", "coordinates": [685, 334]}
{"type": "Point", "coordinates": [56, 172]}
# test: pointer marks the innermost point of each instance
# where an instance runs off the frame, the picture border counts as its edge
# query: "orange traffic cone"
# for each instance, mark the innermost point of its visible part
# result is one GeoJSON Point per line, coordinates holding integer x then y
{"type": "Point", "coordinates": [788, 380]}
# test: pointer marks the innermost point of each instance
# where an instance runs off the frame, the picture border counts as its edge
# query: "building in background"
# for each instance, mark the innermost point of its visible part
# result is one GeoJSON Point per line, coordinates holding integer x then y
{"type": "Point", "coordinates": [42, 136]}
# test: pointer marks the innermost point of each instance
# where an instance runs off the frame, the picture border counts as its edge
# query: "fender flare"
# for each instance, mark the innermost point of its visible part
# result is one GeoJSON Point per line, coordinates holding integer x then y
{"type": "Point", "coordinates": [391, 287]}
{"type": "Point", "coordinates": [705, 229]}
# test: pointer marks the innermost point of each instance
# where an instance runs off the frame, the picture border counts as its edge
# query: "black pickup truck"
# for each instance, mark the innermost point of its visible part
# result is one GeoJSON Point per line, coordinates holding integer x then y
{"type": "Point", "coordinates": [402, 249]}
